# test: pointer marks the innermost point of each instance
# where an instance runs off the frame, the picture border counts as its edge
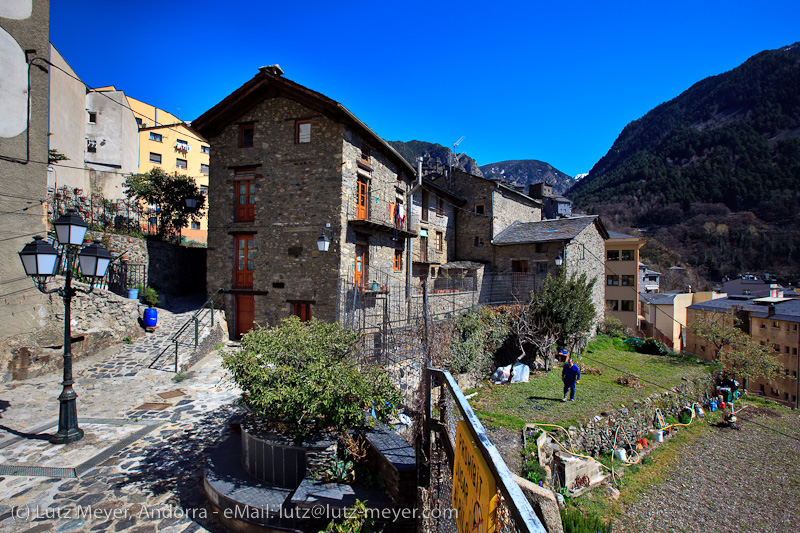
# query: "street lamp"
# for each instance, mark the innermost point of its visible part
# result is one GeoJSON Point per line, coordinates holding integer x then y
{"type": "Point", "coordinates": [324, 242]}
{"type": "Point", "coordinates": [39, 259]}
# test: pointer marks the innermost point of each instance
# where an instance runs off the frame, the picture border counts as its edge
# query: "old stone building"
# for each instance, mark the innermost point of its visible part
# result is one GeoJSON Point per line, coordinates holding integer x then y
{"type": "Point", "coordinates": [541, 248]}
{"type": "Point", "coordinates": [433, 218]}
{"type": "Point", "coordinates": [289, 165]}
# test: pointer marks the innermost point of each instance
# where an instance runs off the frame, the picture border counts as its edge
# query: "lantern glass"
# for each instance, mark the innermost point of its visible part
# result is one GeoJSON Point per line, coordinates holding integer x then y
{"type": "Point", "coordinates": [39, 258]}
{"type": "Point", "coordinates": [70, 228]}
{"type": "Point", "coordinates": [323, 243]}
{"type": "Point", "coordinates": [559, 260]}
{"type": "Point", "coordinates": [94, 260]}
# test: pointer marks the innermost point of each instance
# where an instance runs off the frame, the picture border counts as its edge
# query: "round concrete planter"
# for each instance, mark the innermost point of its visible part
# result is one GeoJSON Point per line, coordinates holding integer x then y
{"type": "Point", "coordinates": [280, 459]}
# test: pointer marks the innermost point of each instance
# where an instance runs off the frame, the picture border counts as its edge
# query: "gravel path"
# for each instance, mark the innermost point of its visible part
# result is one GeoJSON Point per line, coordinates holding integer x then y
{"type": "Point", "coordinates": [745, 480]}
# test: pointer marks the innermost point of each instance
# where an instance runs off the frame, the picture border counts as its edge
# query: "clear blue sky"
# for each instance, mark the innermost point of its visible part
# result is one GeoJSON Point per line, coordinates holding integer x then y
{"type": "Point", "coordinates": [519, 80]}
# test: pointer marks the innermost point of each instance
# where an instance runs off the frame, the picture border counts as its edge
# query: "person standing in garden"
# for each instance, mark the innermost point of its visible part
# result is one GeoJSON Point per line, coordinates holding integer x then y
{"type": "Point", "coordinates": [570, 375]}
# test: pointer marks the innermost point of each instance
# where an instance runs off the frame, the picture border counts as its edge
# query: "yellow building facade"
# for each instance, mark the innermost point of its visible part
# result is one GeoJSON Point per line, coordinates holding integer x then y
{"type": "Point", "coordinates": [622, 278]}
{"type": "Point", "coordinates": [168, 143]}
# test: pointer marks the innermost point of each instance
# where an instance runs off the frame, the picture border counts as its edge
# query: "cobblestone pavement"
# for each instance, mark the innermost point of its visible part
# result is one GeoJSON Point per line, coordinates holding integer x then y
{"type": "Point", "coordinates": [139, 466]}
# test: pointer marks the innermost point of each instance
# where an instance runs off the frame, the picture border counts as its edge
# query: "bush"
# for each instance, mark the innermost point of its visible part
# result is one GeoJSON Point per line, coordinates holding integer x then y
{"type": "Point", "coordinates": [148, 295]}
{"type": "Point", "coordinates": [531, 469]}
{"type": "Point", "coordinates": [654, 347]}
{"type": "Point", "coordinates": [307, 372]}
{"type": "Point", "coordinates": [613, 327]}
{"type": "Point", "coordinates": [575, 521]}
{"type": "Point", "coordinates": [479, 333]}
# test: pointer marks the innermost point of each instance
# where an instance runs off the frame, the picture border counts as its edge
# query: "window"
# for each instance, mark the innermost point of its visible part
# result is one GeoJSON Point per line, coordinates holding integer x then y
{"type": "Point", "coordinates": [425, 203]}
{"type": "Point", "coordinates": [205, 149]}
{"type": "Point", "coordinates": [627, 280]}
{"type": "Point", "coordinates": [628, 305]}
{"type": "Point", "coordinates": [398, 260]}
{"type": "Point", "coordinates": [702, 348]}
{"type": "Point", "coordinates": [612, 255]}
{"type": "Point", "coordinates": [302, 310]}
{"type": "Point", "coordinates": [541, 268]}
{"type": "Point", "coordinates": [203, 168]}
{"type": "Point", "coordinates": [302, 131]}
{"type": "Point", "coordinates": [627, 255]}
{"type": "Point", "coordinates": [613, 305]}
{"type": "Point", "coordinates": [423, 248]}
{"type": "Point", "coordinates": [478, 241]}
{"type": "Point", "coordinates": [181, 145]}
{"type": "Point", "coordinates": [519, 266]}
{"type": "Point", "coordinates": [478, 209]}
{"type": "Point", "coordinates": [439, 241]}
{"type": "Point", "coordinates": [92, 117]}
{"type": "Point", "coordinates": [776, 347]}
{"type": "Point", "coordinates": [361, 267]}
{"type": "Point", "coordinates": [439, 206]}
{"type": "Point", "coordinates": [139, 122]}
{"type": "Point", "coordinates": [204, 190]}
{"type": "Point", "coordinates": [786, 350]}
{"type": "Point", "coordinates": [155, 137]}
{"type": "Point", "coordinates": [763, 325]}
{"type": "Point", "coordinates": [245, 195]}
{"type": "Point", "coordinates": [91, 146]}
{"type": "Point", "coordinates": [246, 135]}
{"type": "Point", "coordinates": [794, 328]}
{"type": "Point", "coordinates": [362, 199]}
{"type": "Point", "coordinates": [195, 225]}
{"type": "Point", "coordinates": [180, 163]}
{"type": "Point", "coordinates": [775, 324]}
{"type": "Point", "coordinates": [245, 262]}
{"type": "Point", "coordinates": [612, 280]}
{"type": "Point", "coordinates": [366, 153]}
{"type": "Point", "coordinates": [155, 158]}
{"type": "Point", "coordinates": [794, 351]}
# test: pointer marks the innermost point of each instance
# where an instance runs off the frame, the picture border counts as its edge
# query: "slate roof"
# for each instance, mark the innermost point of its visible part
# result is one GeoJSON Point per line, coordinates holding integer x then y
{"type": "Point", "coordinates": [788, 311]}
{"type": "Point", "coordinates": [723, 305]}
{"type": "Point", "coordinates": [755, 287]}
{"type": "Point", "coordinates": [658, 298]}
{"type": "Point", "coordinates": [618, 235]}
{"type": "Point", "coordinates": [464, 265]}
{"type": "Point", "coordinates": [555, 230]}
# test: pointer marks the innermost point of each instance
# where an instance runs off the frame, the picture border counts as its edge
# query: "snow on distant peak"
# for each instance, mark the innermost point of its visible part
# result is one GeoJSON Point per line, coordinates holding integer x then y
{"type": "Point", "coordinates": [579, 177]}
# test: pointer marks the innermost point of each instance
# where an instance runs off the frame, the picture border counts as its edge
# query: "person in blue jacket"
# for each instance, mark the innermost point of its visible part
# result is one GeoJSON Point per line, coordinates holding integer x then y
{"type": "Point", "coordinates": [570, 375]}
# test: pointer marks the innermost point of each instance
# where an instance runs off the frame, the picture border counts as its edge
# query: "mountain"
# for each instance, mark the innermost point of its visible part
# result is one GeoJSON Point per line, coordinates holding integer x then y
{"type": "Point", "coordinates": [529, 171]}
{"type": "Point", "coordinates": [732, 139]}
{"type": "Point", "coordinates": [412, 149]}
{"type": "Point", "coordinates": [712, 177]}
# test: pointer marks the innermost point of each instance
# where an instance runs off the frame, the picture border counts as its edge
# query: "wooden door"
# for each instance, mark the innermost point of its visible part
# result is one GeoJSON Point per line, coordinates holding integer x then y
{"type": "Point", "coordinates": [362, 205]}
{"type": "Point", "coordinates": [362, 263]}
{"type": "Point", "coordinates": [244, 262]}
{"type": "Point", "coordinates": [245, 313]}
{"type": "Point", "coordinates": [245, 206]}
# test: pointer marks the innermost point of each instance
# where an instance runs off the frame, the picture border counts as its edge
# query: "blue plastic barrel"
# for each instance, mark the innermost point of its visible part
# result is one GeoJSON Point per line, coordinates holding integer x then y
{"type": "Point", "coordinates": [133, 294]}
{"type": "Point", "coordinates": [150, 317]}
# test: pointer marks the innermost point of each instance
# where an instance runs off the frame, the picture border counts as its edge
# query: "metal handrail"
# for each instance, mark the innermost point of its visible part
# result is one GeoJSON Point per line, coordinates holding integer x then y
{"type": "Point", "coordinates": [195, 320]}
{"type": "Point", "coordinates": [517, 503]}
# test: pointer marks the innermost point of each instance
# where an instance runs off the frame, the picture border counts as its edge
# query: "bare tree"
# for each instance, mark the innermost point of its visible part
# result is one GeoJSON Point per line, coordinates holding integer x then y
{"type": "Point", "coordinates": [539, 333]}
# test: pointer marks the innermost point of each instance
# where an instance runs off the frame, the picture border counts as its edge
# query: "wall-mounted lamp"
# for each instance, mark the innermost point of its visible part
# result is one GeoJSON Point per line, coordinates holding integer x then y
{"type": "Point", "coordinates": [559, 260]}
{"type": "Point", "coordinates": [324, 242]}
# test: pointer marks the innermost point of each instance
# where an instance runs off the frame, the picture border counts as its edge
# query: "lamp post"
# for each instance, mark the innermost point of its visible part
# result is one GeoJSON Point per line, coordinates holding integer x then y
{"type": "Point", "coordinates": [39, 259]}
{"type": "Point", "coordinates": [324, 242]}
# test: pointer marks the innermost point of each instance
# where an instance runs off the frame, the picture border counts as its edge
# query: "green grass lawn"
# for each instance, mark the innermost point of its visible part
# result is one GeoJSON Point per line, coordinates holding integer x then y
{"type": "Point", "coordinates": [513, 405]}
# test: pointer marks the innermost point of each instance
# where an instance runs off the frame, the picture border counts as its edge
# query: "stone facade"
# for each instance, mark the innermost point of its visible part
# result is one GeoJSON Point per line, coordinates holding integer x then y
{"type": "Point", "coordinates": [440, 219]}
{"type": "Point", "coordinates": [584, 254]}
{"type": "Point", "coordinates": [299, 189]}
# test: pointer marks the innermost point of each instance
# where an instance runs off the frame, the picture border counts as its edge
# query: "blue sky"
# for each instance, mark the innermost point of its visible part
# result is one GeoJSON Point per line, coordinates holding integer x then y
{"type": "Point", "coordinates": [519, 80]}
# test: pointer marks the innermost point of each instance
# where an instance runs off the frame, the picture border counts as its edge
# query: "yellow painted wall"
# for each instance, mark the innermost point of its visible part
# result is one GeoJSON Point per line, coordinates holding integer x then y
{"type": "Point", "coordinates": [171, 129]}
{"type": "Point", "coordinates": [619, 268]}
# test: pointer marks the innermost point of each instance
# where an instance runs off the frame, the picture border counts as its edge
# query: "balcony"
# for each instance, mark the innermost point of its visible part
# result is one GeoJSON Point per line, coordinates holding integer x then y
{"type": "Point", "coordinates": [381, 217]}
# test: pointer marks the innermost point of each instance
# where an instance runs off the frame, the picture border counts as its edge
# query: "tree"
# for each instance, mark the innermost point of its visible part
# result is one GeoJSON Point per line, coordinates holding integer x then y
{"type": "Point", "coordinates": [561, 314]}
{"type": "Point", "coordinates": [168, 194]}
{"type": "Point", "coordinates": [737, 353]}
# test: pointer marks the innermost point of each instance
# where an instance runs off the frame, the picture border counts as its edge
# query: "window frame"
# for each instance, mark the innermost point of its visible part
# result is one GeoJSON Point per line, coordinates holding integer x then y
{"type": "Point", "coordinates": [480, 209]}
{"type": "Point", "coordinates": [612, 280]}
{"type": "Point", "coordinates": [297, 127]}
{"type": "Point", "coordinates": [439, 244]}
{"type": "Point", "coordinates": [631, 253]}
{"type": "Point", "coordinates": [244, 212]}
{"type": "Point", "coordinates": [92, 117]}
{"type": "Point", "coordinates": [153, 161]}
{"type": "Point", "coordinates": [244, 127]}
{"type": "Point", "coordinates": [439, 206]}
{"type": "Point", "coordinates": [398, 260]}
{"type": "Point", "coordinates": [156, 137]}
{"type": "Point", "coordinates": [178, 161]}
{"type": "Point", "coordinates": [631, 280]}
{"type": "Point", "coordinates": [201, 168]}
{"type": "Point", "coordinates": [613, 306]}
{"type": "Point", "coordinates": [612, 255]}
{"type": "Point", "coordinates": [205, 149]}
{"type": "Point", "coordinates": [632, 306]}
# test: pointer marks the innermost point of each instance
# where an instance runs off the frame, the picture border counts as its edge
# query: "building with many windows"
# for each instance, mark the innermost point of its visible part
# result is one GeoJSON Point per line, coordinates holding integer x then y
{"type": "Point", "coordinates": [291, 167]}
{"type": "Point", "coordinates": [622, 278]}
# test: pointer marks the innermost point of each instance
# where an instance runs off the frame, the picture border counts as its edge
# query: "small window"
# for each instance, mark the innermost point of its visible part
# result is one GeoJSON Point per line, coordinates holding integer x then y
{"type": "Point", "coordinates": [205, 149]}
{"type": "Point", "coordinates": [195, 225]}
{"type": "Point", "coordinates": [398, 260]}
{"type": "Point", "coordinates": [479, 209]}
{"type": "Point", "coordinates": [302, 310]}
{"type": "Point", "coordinates": [366, 153]}
{"type": "Point", "coordinates": [439, 241]}
{"type": "Point", "coordinates": [794, 351]}
{"type": "Point", "coordinates": [203, 168]}
{"type": "Point", "coordinates": [204, 190]}
{"type": "Point", "coordinates": [628, 305]}
{"type": "Point", "coordinates": [180, 163]}
{"type": "Point", "coordinates": [775, 324]}
{"type": "Point", "coordinates": [613, 305]}
{"type": "Point", "coordinates": [91, 146]}
{"type": "Point", "coordinates": [155, 137]}
{"type": "Point", "coordinates": [627, 280]}
{"type": "Point", "coordinates": [702, 348]}
{"type": "Point", "coordinates": [478, 241]}
{"type": "Point", "coordinates": [612, 281]}
{"type": "Point", "coordinates": [182, 145]}
{"type": "Point", "coordinates": [246, 135]}
{"type": "Point", "coordinates": [155, 158]}
{"type": "Point", "coordinates": [763, 325]}
{"type": "Point", "coordinates": [776, 347]}
{"type": "Point", "coordinates": [302, 131]}
{"type": "Point", "coordinates": [425, 206]}
{"type": "Point", "coordinates": [541, 268]}
{"type": "Point", "coordinates": [139, 122]}
{"type": "Point", "coordinates": [794, 327]}
{"type": "Point", "coordinates": [439, 206]}
{"type": "Point", "coordinates": [627, 255]}
{"type": "Point", "coordinates": [519, 266]}
{"type": "Point", "coordinates": [612, 255]}
{"type": "Point", "coordinates": [92, 117]}
{"type": "Point", "coordinates": [786, 350]}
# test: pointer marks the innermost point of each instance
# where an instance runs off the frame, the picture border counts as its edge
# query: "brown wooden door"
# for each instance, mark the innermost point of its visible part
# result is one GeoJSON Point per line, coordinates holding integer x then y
{"type": "Point", "coordinates": [245, 208]}
{"type": "Point", "coordinates": [244, 262]}
{"type": "Point", "coordinates": [362, 263]}
{"type": "Point", "coordinates": [245, 313]}
{"type": "Point", "coordinates": [362, 206]}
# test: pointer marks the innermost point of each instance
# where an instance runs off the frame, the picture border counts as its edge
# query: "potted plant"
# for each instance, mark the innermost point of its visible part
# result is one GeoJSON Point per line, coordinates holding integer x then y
{"type": "Point", "coordinates": [150, 298]}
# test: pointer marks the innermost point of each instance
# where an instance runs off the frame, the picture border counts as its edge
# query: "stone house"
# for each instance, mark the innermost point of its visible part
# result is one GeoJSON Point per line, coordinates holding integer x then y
{"type": "Point", "coordinates": [287, 166]}
{"type": "Point", "coordinates": [540, 248]}
{"type": "Point", "coordinates": [772, 322]}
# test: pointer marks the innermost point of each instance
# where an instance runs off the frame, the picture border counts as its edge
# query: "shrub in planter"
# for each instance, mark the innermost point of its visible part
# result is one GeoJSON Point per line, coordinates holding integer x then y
{"type": "Point", "coordinates": [303, 372]}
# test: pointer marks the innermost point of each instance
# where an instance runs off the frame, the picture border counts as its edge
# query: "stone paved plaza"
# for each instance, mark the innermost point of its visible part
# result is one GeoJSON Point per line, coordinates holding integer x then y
{"type": "Point", "coordinates": [139, 466]}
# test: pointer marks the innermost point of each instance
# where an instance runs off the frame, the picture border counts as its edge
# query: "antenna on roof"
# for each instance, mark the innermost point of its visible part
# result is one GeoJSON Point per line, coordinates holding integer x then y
{"type": "Point", "coordinates": [452, 158]}
{"type": "Point", "coordinates": [272, 69]}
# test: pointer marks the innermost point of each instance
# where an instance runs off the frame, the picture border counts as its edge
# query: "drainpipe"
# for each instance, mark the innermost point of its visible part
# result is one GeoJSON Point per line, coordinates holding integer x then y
{"type": "Point", "coordinates": [410, 247]}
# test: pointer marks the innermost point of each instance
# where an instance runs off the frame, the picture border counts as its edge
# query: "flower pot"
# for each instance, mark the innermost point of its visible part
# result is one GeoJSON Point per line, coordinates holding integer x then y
{"type": "Point", "coordinates": [133, 294]}
{"type": "Point", "coordinates": [150, 317]}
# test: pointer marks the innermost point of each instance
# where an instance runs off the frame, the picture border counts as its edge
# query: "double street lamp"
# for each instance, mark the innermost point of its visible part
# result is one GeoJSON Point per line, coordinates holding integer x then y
{"type": "Point", "coordinates": [40, 259]}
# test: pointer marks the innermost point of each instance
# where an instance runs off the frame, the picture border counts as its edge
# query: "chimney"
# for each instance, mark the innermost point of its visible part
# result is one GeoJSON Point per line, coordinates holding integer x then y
{"type": "Point", "coordinates": [275, 69]}
{"type": "Point", "coordinates": [770, 310]}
